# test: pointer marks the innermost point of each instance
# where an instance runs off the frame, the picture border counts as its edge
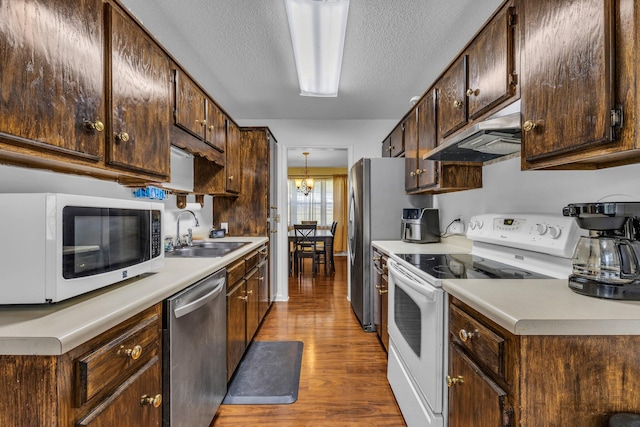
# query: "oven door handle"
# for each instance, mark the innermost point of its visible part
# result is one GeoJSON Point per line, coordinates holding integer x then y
{"type": "Point", "coordinates": [407, 280]}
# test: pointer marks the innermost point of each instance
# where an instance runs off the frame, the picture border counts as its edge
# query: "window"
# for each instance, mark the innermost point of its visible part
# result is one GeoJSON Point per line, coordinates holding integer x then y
{"type": "Point", "coordinates": [316, 206]}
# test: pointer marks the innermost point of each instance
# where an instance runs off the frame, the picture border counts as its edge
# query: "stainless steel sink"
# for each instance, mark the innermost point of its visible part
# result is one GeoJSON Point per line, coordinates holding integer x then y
{"type": "Point", "coordinates": [206, 249]}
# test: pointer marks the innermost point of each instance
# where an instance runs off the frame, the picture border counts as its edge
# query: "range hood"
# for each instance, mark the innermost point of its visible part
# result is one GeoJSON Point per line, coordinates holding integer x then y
{"type": "Point", "coordinates": [497, 136]}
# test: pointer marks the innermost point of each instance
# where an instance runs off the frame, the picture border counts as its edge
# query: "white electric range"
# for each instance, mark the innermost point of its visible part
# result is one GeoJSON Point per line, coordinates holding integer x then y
{"type": "Point", "coordinates": [511, 246]}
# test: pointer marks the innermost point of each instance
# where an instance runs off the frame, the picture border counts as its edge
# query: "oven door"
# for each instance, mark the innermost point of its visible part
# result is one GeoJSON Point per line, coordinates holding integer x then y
{"type": "Point", "coordinates": [417, 329]}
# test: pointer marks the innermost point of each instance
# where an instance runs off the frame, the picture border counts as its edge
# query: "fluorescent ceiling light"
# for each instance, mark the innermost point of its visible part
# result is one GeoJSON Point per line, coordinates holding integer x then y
{"type": "Point", "coordinates": [317, 30]}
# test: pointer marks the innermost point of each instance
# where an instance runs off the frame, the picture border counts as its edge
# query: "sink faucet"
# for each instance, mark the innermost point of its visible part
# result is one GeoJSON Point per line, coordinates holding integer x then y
{"type": "Point", "coordinates": [178, 226]}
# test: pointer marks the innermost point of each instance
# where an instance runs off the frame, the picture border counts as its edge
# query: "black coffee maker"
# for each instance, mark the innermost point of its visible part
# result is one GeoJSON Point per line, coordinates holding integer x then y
{"type": "Point", "coordinates": [606, 264]}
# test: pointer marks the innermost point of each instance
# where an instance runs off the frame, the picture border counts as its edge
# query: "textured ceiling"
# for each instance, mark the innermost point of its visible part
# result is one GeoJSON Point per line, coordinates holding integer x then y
{"type": "Point", "coordinates": [240, 52]}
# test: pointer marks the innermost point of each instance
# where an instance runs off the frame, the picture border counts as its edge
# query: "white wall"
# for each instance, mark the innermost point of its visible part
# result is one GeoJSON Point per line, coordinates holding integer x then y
{"type": "Point", "coordinates": [507, 189]}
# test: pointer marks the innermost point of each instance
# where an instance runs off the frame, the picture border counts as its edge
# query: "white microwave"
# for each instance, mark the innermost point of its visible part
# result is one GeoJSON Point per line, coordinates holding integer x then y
{"type": "Point", "coordinates": [57, 246]}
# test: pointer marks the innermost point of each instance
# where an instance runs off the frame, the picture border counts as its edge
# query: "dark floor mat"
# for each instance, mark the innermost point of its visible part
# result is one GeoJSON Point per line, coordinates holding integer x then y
{"type": "Point", "coordinates": [269, 374]}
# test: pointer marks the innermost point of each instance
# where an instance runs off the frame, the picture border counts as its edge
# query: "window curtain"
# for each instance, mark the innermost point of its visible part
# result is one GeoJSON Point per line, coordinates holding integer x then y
{"type": "Point", "coordinates": [340, 197]}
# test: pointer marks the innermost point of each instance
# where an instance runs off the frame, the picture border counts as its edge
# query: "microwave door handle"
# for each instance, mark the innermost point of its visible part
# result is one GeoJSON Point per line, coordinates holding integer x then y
{"type": "Point", "coordinates": [193, 306]}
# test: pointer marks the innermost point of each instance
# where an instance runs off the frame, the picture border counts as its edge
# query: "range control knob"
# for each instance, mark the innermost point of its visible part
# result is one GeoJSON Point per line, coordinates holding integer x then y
{"type": "Point", "coordinates": [541, 228]}
{"type": "Point", "coordinates": [555, 232]}
{"type": "Point", "coordinates": [472, 225]}
{"type": "Point", "coordinates": [479, 223]}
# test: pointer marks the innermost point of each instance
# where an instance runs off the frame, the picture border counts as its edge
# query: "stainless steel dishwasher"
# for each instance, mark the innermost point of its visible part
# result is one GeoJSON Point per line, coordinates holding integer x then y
{"type": "Point", "coordinates": [195, 355]}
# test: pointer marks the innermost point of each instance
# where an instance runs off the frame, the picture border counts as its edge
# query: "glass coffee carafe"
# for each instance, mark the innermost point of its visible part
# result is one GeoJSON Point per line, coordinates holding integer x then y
{"type": "Point", "coordinates": [607, 259]}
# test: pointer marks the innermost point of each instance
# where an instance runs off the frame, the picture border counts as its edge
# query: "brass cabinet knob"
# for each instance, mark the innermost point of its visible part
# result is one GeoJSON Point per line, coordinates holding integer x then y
{"type": "Point", "coordinates": [377, 258]}
{"type": "Point", "coordinates": [472, 92]}
{"type": "Point", "coordinates": [453, 381]}
{"type": "Point", "coordinates": [231, 178]}
{"type": "Point", "coordinates": [458, 104]}
{"type": "Point", "coordinates": [203, 123]}
{"type": "Point", "coordinates": [528, 126]}
{"type": "Point", "coordinates": [418, 171]}
{"type": "Point", "coordinates": [133, 353]}
{"type": "Point", "coordinates": [412, 173]}
{"type": "Point", "coordinates": [156, 400]}
{"type": "Point", "coordinates": [243, 298]}
{"type": "Point", "coordinates": [465, 335]}
{"type": "Point", "coordinates": [250, 292]}
{"type": "Point", "coordinates": [211, 128]}
{"type": "Point", "coordinates": [123, 136]}
{"type": "Point", "coordinates": [388, 148]}
{"type": "Point", "coordinates": [97, 126]}
{"type": "Point", "coordinates": [382, 291]}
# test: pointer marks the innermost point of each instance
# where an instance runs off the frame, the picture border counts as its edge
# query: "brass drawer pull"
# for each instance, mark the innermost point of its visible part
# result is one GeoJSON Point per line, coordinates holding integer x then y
{"type": "Point", "coordinates": [528, 126]}
{"type": "Point", "coordinates": [123, 136]}
{"type": "Point", "coordinates": [156, 400]}
{"type": "Point", "coordinates": [133, 353]}
{"type": "Point", "coordinates": [465, 335]}
{"type": "Point", "coordinates": [458, 104]}
{"type": "Point", "coordinates": [454, 381]}
{"type": "Point", "coordinates": [98, 126]}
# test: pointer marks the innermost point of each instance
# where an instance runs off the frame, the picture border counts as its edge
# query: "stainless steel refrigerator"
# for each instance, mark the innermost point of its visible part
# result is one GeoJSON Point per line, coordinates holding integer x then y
{"type": "Point", "coordinates": [376, 200]}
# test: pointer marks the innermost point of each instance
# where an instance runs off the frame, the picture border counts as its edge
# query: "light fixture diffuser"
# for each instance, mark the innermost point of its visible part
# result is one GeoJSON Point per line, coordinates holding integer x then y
{"type": "Point", "coordinates": [318, 30]}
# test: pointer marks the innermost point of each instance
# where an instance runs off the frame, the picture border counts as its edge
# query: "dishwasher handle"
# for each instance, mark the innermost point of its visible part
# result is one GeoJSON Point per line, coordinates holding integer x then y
{"type": "Point", "coordinates": [196, 304]}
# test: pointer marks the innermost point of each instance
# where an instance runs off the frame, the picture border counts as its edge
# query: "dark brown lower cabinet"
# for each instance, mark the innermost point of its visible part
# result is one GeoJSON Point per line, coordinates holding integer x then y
{"type": "Point", "coordinates": [501, 379]}
{"type": "Point", "coordinates": [114, 379]}
{"type": "Point", "coordinates": [474, 398]}
{"type": "Point", "coordinates": [236, 326]}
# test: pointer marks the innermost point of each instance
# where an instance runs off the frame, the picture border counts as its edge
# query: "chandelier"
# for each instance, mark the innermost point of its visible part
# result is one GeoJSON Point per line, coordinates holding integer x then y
{"type": "Point", "coordinates": [305, 185]}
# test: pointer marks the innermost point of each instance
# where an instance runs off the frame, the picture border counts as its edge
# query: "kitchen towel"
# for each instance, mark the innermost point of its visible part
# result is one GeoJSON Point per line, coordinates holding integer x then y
{"type": "Point", "coordinates": [269, 373]}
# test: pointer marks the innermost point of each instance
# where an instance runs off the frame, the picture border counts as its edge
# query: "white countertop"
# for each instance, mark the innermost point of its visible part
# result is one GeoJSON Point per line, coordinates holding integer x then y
{"type": "Point", "coordinates": [530, 307]}
{"type": "Point", "coordinates": [57, 328]}
{"type": "Point", "coordinates": [447, 245]}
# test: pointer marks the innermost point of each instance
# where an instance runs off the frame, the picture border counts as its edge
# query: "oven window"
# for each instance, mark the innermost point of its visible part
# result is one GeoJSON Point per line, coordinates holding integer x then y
{"type": "Point", "coordinates": [99, 240]}
{"type": "Point", "coordinates": [408, 319]}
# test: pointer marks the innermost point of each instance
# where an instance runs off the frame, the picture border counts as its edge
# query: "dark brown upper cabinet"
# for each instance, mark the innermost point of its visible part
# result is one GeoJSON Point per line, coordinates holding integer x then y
{"type": "Point", "coordinates": [482, 77]}
{"type": "Point", "coordinates": [396, 141]}
{"type": "Point", "coordinates": [427, 140]}
{"type": "Point", "coordinates": [452, 98]}
{"type": "Point", "coordinates": [491, 64]}
{"type": "Point", "coordinates": [92, 96]}
{"type": "Point", "coordinates": [568, 95]}
{"type": "Point", "coordinates": [428, 176]}
{"type": "Point", "coordinates": [140, 99]}
{"type": "Point", "coordinates": [198, 115]}
{"type": "Point", "coordinates": [52, 88]}
{"type": "Point", "coordinates": [411, 171]}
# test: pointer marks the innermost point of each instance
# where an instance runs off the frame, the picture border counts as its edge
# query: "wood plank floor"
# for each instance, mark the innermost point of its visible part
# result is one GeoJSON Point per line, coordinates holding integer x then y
{"type": "Point", "coordinates": [343, 376]}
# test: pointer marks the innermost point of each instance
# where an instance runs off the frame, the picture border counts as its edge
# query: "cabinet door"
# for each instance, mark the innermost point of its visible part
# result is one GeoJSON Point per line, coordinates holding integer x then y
{"type": "Point", "coordinates": [384, 311]}
{"type": "Point", "coordinates": [567, 74]}
{"type": "Point", "coordinates": [236, 326]}
{"type": "Point", "coordinates": [396, 141]}
{"type": "Point", "coordinates": [386, 147]}
{"type": "Point", "coordinates": [190, 106]}
{"type": "Point", "coordinates": [52, 78]}
{"type": "Point", "coordinates": [452, 88]}
{"type": "Point", "coordinates": [234, 167]}
{"type": "Point", "coordinates": [263, 290]}
{"type": "Point", "coordinates": [474, 399]}
{"type": "Point", "coordinates": [427, 140]}
{"type": "Point", "coordinates": [411, 171]}
{"type": "Point", "coordinates": [141, 99]}
{"type": "Point", "coordinates": [491, 64]}
{"type": "Point", "coordinates": [215, 134]}
{"type": "Point", "coordinates": [132, 404]}
{"type": "Point", "coordinates": [253, 290]}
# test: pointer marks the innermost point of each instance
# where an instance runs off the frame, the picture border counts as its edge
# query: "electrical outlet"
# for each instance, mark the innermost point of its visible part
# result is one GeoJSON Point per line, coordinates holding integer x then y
{"type": "Point", "coordinates": [225, 227]}
{"type": "Point", "coordinates": [457, 227]}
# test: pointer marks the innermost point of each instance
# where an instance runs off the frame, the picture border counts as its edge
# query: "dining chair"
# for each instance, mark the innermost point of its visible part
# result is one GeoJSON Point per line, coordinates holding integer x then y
{"type": "Point", "coordinates": [304, 247]}
{"type": "Point", "coordinates": [309, 222]}
{"type": "Point", "coordinates": [322, 249]}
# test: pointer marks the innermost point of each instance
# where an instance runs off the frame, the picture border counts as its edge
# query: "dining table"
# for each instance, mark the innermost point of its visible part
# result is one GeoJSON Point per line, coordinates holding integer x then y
{"type": "Point", "coordinates": [324, 236]}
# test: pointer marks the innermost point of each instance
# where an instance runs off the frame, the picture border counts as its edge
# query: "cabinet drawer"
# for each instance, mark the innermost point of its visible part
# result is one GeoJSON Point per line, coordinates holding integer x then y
{"type": "Point", "coordinates": [108, 365]}
{"type": "Point", "coordinates": [484, 345]}
{"type": "Point", "coordinates": [235, 272]}
{"type": "Point", "coordinates": [251, 261]}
